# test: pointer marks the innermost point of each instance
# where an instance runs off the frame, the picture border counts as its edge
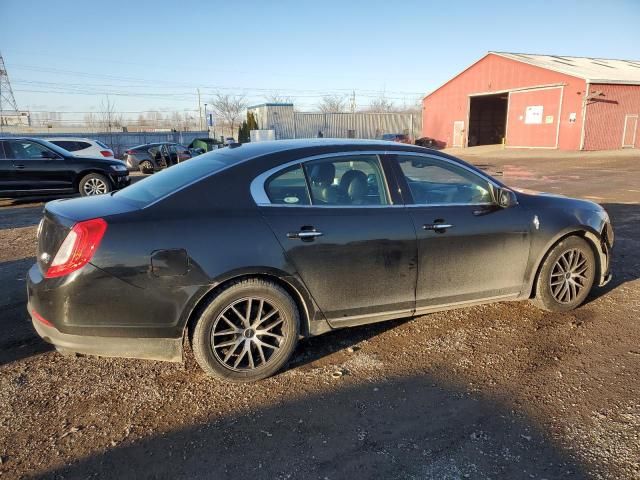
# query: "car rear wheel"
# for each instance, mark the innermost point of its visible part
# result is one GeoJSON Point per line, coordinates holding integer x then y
{"type": "Point", "coordinates": [145, 166]}
{"type": "Point", "coordinates": [566, 276]}
{"type": "Point", "coordinates": [94, 184]}
{"type": "Point", "coordinates": [247, 332]}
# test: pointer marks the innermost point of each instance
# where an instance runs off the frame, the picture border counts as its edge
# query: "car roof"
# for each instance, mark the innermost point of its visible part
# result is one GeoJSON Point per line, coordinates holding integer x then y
{"type": "Point", "coordinates": [146, 145]}
{"type": "Point", "coordinates": [21, 138]}
{"type": "Point", "coordinates": [255, 149]}
{"type": "Point", "coordinates": [154, 144]}
{"type": "Point", "coordinates": [74, 139]}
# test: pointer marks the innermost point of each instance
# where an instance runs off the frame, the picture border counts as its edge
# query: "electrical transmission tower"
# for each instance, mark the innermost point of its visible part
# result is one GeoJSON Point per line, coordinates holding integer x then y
{"type": "Point", "coordinates": [7, 100]}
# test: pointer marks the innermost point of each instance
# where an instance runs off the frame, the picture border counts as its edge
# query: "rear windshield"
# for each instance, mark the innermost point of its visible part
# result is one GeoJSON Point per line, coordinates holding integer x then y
{"type": "Point", "coordinates": [160, 184]}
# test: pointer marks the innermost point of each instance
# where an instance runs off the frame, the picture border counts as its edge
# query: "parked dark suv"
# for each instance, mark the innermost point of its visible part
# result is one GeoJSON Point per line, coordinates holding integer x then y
{"type": "Point", "coordinates": [151, 157]}
{"type": "Point", "coordinates": [35, 166]}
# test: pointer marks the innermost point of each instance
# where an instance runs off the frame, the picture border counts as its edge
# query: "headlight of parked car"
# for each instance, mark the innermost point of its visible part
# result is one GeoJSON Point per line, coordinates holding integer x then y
{"type": "Point", "coordinates": [119, 168]}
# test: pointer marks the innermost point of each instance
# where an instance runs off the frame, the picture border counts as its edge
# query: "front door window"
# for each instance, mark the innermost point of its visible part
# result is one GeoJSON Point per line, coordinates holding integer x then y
{"type": "Point", "coordinates": [26, 150]}
{"type": "Point", "coordinates": [433, 182]}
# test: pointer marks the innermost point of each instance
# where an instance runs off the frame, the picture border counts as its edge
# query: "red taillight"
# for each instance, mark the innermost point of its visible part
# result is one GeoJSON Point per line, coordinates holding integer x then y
{"type": "Point", "coordinates": [129, 152]}
{"type": "Point", "coordinates": [78, 248]}
{"type": "Point", "coordinates": [41, 319]}
{"type": "Point", "coordinates": [106, 153]}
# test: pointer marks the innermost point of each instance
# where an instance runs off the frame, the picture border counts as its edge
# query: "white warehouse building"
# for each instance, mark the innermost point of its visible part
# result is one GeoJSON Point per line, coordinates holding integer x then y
{"type": "Point", "coordinates": [286, 123]}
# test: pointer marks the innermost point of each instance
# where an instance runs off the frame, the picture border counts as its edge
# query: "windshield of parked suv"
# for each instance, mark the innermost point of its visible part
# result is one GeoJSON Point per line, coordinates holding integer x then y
{"type": "Point", "coordinates": [160, 184]}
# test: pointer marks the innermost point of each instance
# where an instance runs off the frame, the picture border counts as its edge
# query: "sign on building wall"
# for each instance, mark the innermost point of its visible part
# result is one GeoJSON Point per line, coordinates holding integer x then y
{"type": "Point", "coordinates": [533, 114]}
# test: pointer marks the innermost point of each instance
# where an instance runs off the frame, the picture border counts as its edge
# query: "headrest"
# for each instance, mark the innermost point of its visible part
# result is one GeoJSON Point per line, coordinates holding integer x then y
{"type": "Point", "coordinates": [322, 173]}
{"type": "Point", "coordinates": [355, 185]}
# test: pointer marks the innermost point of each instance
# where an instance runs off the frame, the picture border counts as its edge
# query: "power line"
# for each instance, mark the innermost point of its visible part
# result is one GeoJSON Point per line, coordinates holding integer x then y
{"type": "Point", "coordinates": [167, 84]}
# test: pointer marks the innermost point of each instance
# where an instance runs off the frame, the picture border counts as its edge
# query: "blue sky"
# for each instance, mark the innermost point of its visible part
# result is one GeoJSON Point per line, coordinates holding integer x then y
{"type": "Point", "coordinates": [65, 55]}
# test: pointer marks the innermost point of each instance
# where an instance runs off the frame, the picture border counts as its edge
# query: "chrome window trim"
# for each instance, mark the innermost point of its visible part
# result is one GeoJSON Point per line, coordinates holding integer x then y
{"type": "Point", "coordinates": [260, 197]}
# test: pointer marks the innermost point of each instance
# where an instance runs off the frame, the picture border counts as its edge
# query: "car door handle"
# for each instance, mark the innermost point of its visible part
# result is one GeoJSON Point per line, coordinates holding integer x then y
{"type": "Point", "coordinates": [20, 167]}
{"type": "Point", "coordinates": [437, 226]}
{"type": "Point", "coordinates": [304, 234]}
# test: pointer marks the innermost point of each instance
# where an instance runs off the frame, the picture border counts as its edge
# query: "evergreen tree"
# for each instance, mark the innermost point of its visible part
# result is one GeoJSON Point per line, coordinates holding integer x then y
{"type": "Point", "coordinates": [243, 133]}
{"type": "Point", "coordinates": [252, 124]}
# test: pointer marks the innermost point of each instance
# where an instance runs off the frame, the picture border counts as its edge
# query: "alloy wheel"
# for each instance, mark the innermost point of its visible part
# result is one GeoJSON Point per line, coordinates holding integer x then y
{"type": "Point", "coordinates": [569, 276]}
{"type": "Point", "coordinates": [94, 186]}
{"type": "Point", "coordinates": [248, 334]}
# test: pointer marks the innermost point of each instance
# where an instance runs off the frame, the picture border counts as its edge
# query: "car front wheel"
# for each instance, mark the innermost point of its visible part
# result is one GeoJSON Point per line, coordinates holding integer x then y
{"type": "Point", "coordinates": [247, 332]}
{"type": "Point", "coordinates": [94, 184]}
{"type": "Point", "coordinates": [566, 276]}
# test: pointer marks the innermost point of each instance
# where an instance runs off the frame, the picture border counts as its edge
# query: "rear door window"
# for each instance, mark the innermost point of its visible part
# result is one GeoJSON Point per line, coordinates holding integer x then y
{"type": "Point", "coordinates": [288, 187]}
{"type": "Point", "coordinates": [71, 145]}
{"type": "Point", "coordinates": [346, 181]}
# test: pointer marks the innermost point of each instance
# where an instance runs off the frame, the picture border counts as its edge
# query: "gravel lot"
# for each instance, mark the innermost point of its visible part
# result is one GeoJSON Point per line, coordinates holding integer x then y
{"type": "Point", "coordinates": [499, 391]}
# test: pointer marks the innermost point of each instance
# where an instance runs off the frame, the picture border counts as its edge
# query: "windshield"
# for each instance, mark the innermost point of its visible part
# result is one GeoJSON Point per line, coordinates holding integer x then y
{"type": "Point", "coordinates": [160, 184]}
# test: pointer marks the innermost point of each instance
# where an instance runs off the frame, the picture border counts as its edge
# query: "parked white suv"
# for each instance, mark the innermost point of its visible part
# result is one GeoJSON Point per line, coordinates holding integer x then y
{"type": "Point", "coordinates": [82, 147]}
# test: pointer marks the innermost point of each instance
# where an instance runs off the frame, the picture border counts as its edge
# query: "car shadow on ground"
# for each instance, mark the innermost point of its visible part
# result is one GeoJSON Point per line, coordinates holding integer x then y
{"type": "Point", "coordinates": [313, 349]}
{"type": "Point", "coordinates": [412, 427]}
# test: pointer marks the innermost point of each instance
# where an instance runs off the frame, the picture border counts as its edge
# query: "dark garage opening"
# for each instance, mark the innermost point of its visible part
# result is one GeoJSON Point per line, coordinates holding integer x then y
{"type": "Point", "coordinates": [487, 119]}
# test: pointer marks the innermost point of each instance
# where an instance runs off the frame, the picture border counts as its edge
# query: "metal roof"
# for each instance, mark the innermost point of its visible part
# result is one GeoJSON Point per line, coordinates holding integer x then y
{"type": "Point", "coordinates": [270, 105]}
{"type": "Point", "coordinates": [593, 70]}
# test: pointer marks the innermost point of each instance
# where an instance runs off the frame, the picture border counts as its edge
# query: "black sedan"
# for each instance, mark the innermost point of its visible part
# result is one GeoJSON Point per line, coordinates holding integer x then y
{"type": "Point", "coordinates": [31, 166]}
{"type": "Point", "coordinates": [244, 250]}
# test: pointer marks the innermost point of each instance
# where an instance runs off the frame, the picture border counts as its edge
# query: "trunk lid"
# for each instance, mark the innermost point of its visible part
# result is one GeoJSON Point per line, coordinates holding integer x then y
{"type": "Point", "coordinates": [61, 215]}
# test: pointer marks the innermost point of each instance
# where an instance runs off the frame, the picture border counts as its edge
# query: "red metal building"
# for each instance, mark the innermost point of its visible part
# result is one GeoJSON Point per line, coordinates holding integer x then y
{"type": "Point", "coordinates": [538, 101]}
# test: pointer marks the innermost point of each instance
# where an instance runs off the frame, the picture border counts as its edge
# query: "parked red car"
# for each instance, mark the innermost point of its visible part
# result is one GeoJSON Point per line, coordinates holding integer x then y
{"type": "Point", "coordinates": [397, 137]}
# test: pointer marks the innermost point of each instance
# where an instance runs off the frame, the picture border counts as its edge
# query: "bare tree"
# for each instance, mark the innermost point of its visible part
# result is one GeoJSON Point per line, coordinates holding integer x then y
{"type": "Point", "coordinates": [333, 104]}
{"type": "Point", "coordinates": [91, 121]}
{"type": "Point", "coordinates": [275, 97]}
{"type": "Point", "coordinates": [191, 121]}
{"type": "Point", "coordinates": [381, 105]}
{"type": "Point", "coordinates": [176, 120]}
{"type": "Point", "coordinates": [229, 108]}
{"type": "Point", "coordinates": [108, 118]}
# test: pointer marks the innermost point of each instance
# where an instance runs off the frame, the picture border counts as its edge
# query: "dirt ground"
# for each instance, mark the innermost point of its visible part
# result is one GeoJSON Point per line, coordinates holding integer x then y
{"type": "Point", "coordinates": [499, 391]}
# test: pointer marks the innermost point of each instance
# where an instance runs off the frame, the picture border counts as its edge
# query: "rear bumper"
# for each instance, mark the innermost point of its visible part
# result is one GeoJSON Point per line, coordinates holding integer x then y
{"type": "Point", "coordinates": [167, 349]}
{"type": "Point", "coordinates": [76, 314]}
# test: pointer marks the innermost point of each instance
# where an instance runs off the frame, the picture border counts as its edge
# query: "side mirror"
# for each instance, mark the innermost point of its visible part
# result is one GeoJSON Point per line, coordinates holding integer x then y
{"type": "Point", "coordinates": [507, 198]}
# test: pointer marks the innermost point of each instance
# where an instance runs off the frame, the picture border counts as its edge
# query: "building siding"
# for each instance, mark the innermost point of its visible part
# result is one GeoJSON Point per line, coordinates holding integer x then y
{"type": "Point", "coordinates": [289, 124]}
{"type": "Point", "coordinates": [544, 134]}
{"type": "Point", "coordinates": [493, 74]}
{"type": "Point", "coordinates": [605, 117]}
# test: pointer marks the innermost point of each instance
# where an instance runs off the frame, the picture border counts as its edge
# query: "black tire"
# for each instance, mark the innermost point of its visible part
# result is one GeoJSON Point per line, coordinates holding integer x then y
{"type": "Point", "coordinates": [145, 166]}
{"type": "Point", "coordinates": [566, 279]}
{"type": "Point", "coordinates": [94, 184]}
{"type": "Point", "coordinates": [246, 343]}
